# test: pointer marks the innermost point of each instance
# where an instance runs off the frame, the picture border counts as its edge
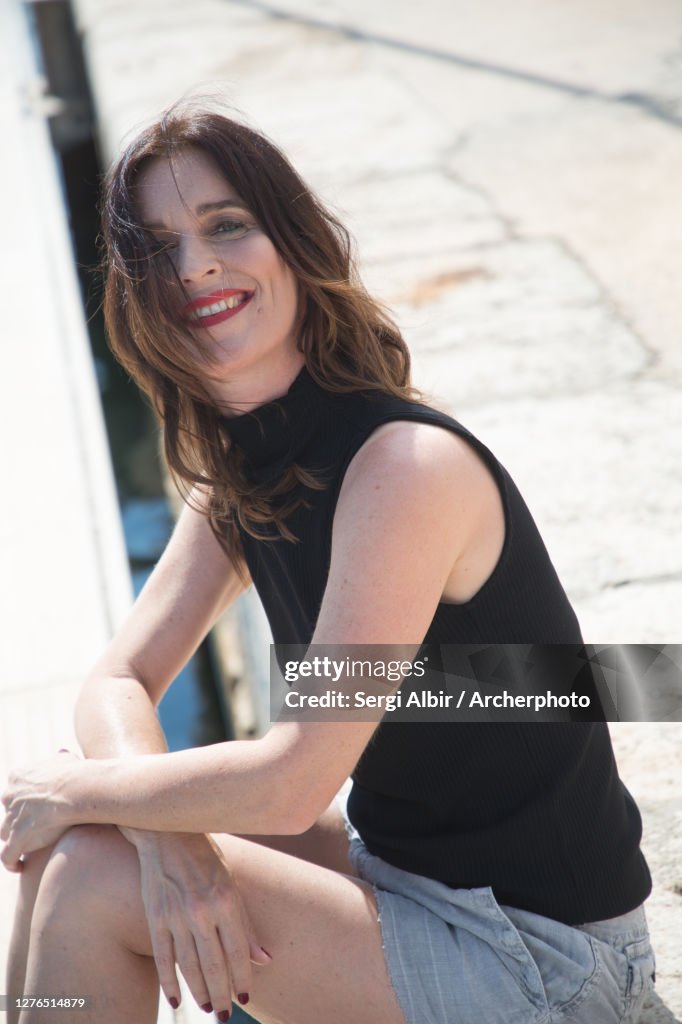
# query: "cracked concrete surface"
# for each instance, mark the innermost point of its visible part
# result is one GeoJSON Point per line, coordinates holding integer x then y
{"type": "Point", "coordinates": [512, 178]}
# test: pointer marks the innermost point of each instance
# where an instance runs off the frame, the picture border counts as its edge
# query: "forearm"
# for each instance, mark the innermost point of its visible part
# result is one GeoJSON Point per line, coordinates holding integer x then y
{"type": "Point", "coordinates": [233, 787]}
{"type": "Point", "coordinates": [116, 718]}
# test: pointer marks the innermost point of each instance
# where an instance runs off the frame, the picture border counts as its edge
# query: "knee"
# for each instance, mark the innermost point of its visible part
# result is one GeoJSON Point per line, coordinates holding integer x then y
{"type": "Point", "coordinates": [84, 867]}
{"type": "Point", "coordinates": [86, 848]}
{"type": "Point", "coordinates": [83, 842]}
{"type": "Point", "coordinates": [31, 874]}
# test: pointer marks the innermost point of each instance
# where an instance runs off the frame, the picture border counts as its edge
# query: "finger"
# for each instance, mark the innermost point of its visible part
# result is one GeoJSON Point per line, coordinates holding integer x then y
{"type": "Point", "coordinates": [164, 958]}
{"type": "Point", "coordinates": [72, 753]}
{"type": "Point", "coordinates": [189, 962]}
{"type": "Point", "coordinates": [215, 970]}
{"type": "Point", "coordinates": [11, 857]}
{"type": "Point", "coordinates": [258, 954]}
{"type": "Point", "coordinates": [16, 869]}
{"type": "Point", "coordinates": [5, 829]}
{"type": "Point", "coordinates": [237, 951]}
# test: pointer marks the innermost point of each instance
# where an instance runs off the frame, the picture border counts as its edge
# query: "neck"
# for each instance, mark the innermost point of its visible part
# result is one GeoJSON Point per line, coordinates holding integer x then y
{"type": "Point", "coordinates": [254, 388]}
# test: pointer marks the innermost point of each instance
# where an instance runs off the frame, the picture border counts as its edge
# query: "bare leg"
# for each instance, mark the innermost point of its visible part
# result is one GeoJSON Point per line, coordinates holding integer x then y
{"type": "Point", "coordinates": [326, 844]}
{"type": "Point", "coordinates": [34, 866]}
{"type": "Point", "coordinates": [88, 931]}
{"type": "Point", "coordinates": [89, 936]}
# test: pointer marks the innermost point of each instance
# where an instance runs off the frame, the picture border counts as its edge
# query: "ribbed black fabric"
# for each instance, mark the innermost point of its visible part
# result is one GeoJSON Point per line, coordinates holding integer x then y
{"type": "Point", "coordinates": [535, 810]}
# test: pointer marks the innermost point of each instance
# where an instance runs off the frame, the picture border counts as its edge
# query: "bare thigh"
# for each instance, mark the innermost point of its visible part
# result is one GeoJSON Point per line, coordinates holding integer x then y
{"type": "Point", "coordinates": [319, 925]}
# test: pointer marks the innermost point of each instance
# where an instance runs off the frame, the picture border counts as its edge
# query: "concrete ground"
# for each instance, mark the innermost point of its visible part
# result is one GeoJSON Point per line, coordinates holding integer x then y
{"type": "Point", "coordinates": [511, 176]}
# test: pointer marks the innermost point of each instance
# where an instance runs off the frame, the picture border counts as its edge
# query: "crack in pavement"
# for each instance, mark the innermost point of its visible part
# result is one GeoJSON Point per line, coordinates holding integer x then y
{"type": "Point", "coordinates": [644, 102]}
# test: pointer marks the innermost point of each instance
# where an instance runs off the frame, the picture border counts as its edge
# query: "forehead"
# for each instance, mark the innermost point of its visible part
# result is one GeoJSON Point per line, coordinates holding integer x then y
{"type": "Point", "coordinates": [170, 188]}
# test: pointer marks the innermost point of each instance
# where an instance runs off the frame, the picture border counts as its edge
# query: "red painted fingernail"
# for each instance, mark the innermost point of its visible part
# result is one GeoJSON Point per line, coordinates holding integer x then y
{"type": "Point", "coordinates": [264, 950]}
{"type": "Point", "coordinates": [174, 1003]}
{"type": "Point", "coordinates": [207, 1008]}
{"type": "Point", "coordinates": [243, 998]}
{"type": "Point", "coordinates": [224, 1015]}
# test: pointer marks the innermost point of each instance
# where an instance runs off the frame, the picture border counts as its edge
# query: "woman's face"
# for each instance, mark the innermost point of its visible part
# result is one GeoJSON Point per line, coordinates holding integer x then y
{"type": "Point", "coordinates": [237, 296]}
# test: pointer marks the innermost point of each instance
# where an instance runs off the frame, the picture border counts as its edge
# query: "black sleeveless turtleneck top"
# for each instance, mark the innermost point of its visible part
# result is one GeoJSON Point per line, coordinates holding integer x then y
{"type": "Point", "coordinates": [534, 810]}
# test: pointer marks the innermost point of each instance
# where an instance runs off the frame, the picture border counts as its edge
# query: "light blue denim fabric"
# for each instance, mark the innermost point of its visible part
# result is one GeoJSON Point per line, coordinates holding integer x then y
{"type": "Point", "coordinates": [455, 956]}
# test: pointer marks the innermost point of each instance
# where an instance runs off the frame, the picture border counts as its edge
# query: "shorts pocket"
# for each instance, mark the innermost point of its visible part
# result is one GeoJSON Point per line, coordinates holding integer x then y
{"type": "Point", "coordinates": [641, 976]}
{"type": "Point", "coordinates": [514, 952]}
{"type": "Point", "coordinates": [641, 967]}
{"type": "Point", "coordinates": [565, 958]}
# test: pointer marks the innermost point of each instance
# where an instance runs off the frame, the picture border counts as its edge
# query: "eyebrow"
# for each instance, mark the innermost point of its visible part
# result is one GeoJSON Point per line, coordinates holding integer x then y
{"type": "Point", "coordinates": [219, 204]}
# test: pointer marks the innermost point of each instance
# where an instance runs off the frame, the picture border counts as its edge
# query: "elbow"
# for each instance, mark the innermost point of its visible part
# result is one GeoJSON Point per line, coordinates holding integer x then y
{"type": "Point", "coordinates": [290, 815]}
{"type": "Point", "coordinates": [296, 792]}
{"type": "Point", "coordinates": [294, 808]}
{"type": "Point", "coordinates": [306, 816]}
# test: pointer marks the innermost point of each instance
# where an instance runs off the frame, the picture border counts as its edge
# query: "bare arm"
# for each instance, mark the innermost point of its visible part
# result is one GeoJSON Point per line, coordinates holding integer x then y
{"type": "Point", "coordinates": [190, 587]}
{"type": "Point", "coordinates": [192, 584]}
{"type": "Point", "coordinates": [393, 549]}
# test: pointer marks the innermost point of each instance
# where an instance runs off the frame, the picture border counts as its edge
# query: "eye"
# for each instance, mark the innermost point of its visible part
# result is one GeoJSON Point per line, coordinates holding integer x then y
{"type": "Point", "coordinates": [225, 229]}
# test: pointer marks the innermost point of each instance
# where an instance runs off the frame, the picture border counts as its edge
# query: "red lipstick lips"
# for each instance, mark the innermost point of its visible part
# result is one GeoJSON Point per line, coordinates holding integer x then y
{"type": "Point", "coordinates": [212, 309]}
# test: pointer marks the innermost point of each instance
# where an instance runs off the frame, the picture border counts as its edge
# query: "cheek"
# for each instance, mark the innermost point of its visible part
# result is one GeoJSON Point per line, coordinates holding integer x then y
{"type": "Point", "coordinates": [284, 291]}
{"type": "Point", "coordinates": [290, 288]}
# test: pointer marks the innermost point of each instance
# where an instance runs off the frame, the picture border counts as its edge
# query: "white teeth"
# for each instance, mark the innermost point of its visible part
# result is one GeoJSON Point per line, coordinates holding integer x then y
{"type": "Point", "coordinates": [217, 307]}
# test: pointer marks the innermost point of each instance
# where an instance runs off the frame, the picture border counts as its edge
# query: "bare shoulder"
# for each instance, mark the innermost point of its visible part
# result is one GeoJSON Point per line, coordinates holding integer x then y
{"type": "Point", "coordinates": [409, 514]}
{"type": "Point", "coordinates": [425, 458]}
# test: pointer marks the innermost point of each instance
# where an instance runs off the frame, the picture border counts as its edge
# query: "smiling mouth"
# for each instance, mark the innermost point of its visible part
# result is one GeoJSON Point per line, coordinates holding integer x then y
{"type": "Point", "coordinates": [213, 310]}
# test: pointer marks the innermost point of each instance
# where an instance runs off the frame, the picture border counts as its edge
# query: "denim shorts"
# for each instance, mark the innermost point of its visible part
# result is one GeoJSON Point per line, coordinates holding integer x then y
{"type": "Point", "coordinates": [455, 956]}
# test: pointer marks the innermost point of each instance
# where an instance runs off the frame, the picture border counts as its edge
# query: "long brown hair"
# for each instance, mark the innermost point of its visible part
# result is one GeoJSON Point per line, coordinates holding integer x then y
{"type": "Point", "coordinates": [348, 340]}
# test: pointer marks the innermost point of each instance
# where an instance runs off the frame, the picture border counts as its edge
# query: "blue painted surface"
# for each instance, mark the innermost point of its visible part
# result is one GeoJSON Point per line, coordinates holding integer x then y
{"type": "Point", "coordinates": [190, 711]}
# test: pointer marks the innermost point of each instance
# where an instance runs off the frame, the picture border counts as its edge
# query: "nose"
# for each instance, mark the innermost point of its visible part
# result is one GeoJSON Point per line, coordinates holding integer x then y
{"type": "Point", "coordinates": [196, 259]}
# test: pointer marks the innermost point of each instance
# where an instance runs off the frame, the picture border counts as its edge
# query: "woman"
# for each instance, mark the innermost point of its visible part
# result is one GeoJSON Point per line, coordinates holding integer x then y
{"type": "Point", "coordinates": [494, 871]}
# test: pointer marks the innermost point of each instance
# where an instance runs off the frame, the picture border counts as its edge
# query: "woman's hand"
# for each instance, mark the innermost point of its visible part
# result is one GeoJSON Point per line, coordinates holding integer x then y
{"type": "Point", "coordinates": [196, 919]}
{"type": "Point", "coordinates": [38, 806]}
